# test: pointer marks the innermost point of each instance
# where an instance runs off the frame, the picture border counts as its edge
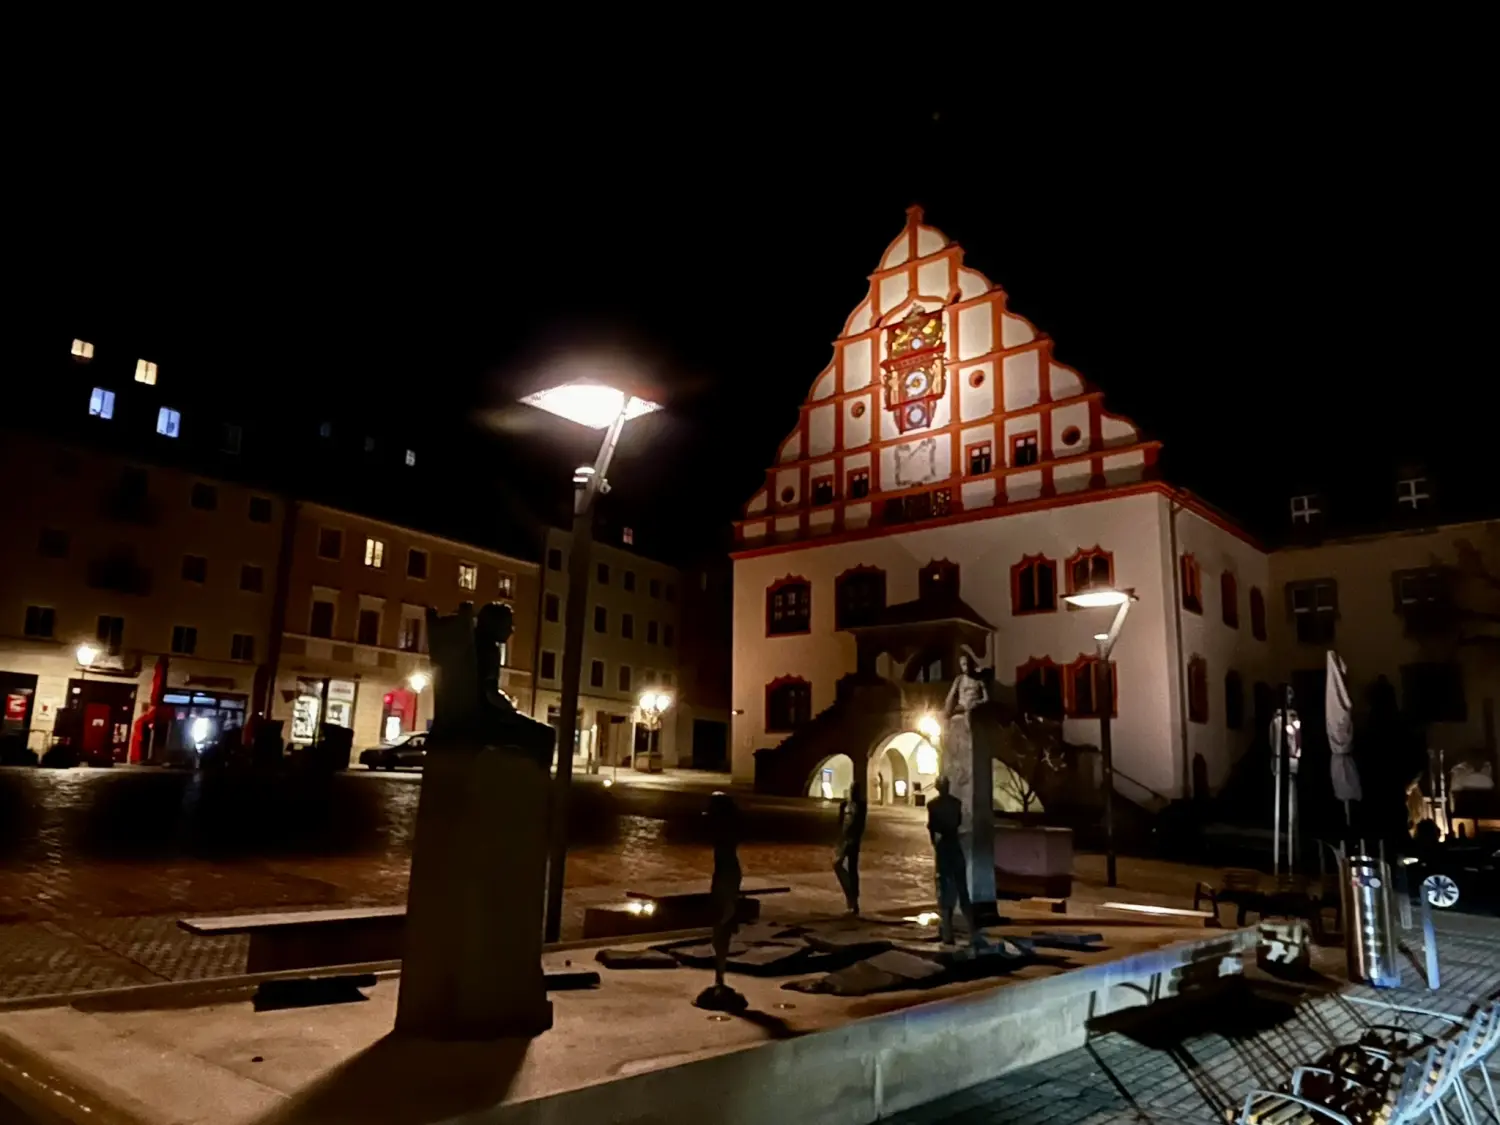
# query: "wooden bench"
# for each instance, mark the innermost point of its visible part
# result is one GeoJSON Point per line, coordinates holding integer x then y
{"type": "Point", "coordinates": [1291, 896]}
{"type": "Point", "coordinates": [308, 939]}
{"type": "Point", "coordinates": [643, 913]}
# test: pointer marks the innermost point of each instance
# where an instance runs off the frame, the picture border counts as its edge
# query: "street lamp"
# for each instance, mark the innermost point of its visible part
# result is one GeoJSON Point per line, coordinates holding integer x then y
{"type": "Point", "coordinates": [86, 654]}
{"type": "Point", "coordinates": [418, 681]}
{"type": "Point", "coordinates": [653, 705]}
{"type": "Point", "coordinates": [1121, 601]}
{"type": "Point", "coordinates": [599, 407]}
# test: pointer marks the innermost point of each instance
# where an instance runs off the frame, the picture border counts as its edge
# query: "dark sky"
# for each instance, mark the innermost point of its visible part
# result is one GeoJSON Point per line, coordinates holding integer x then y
{"type": "Point", "coordinates": [1275, 276]}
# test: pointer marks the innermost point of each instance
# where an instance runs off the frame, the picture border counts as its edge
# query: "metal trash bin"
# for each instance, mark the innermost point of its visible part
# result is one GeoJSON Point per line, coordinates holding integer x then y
{"type": "Point", "coordinates": [1369, 935]}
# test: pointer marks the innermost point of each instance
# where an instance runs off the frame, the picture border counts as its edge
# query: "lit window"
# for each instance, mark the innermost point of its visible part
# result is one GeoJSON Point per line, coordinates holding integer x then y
{"type": "Point", "coordinates": [1412, 492]}
{"type": "Point", "coordinates": [628, 535]}
{"type": "Point", "coordinates": [83, 349]}
{"type": "Point", "coordinates": [468, 576]}
{"type": "Point", "coordinates": [145, 372]}
{"type": "Point", "coordinates": [102, 403]}
{"type": "Point", "coordinates": [411, 456]}
{"type": "Point", "coordinates": [374, 553]}
{"type": "Point", "coordinates": [168, 422]}
{"type": "Point", "coordinates": [506, 587]}
{"type": "Point", "coordinates": [1305, 509]}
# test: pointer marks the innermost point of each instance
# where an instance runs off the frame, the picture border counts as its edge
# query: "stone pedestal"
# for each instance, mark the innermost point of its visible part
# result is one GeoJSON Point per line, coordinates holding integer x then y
{"type": "Point", "coordinates": [473, 964]}
{"type": "Point", "coordinates": [969, 752]}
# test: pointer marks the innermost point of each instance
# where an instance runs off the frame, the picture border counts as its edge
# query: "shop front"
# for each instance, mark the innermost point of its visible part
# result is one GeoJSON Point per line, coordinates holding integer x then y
{"type": "Point", "coordinates": [319, 701]}
{"type": "Point", "coordinates": [197, 721]}
{"type": "Point", "coordinates": [95, 721]}
{"type": "Point", "coordinates": [398, 714]}
{"type": "Point", "coordinates": [18, 690]}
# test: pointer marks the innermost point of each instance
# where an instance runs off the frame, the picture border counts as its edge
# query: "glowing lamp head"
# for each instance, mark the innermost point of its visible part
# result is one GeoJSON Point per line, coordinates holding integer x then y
{"type": "Point", "coordinates": [595, 405]}
{"type": "Point", "coordinates": [200, 730]}
{"type": "Point", "coordinates": [86, 654]}
{"type": "Point", "coordinates": [929, 728]}
{"type": "Point", "coordinates": [419, 681]}
{"type": "Point", "coordinates": [654, 702]}
{"type": "Point", "coordinates": [1097, 599]}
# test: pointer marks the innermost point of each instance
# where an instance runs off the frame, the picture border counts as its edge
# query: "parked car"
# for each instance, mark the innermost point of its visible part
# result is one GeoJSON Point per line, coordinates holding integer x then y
{"type": "Point", "coordinates": [1461, 875]}
{"type": "Point", "coordinates": [406, 753]}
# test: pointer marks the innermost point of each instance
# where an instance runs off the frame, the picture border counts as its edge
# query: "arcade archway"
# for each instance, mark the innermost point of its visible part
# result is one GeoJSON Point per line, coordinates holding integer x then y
{"type": "Point", "coordinates": [832, 779]}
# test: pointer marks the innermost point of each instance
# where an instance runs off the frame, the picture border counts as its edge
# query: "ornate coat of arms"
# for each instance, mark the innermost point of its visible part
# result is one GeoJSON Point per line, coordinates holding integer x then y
{"type": "Point", "coordinates": [914, 372]}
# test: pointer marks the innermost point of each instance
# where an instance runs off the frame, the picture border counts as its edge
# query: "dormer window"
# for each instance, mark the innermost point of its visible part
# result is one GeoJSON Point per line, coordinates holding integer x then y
{"type": "Point", "coordinates": [145, 372]}
{"type": "Point", "coordinates": [82, 349]}
{"type": "Point", "coordinates": [1412, 493]}
{"type": "Point", "coordinates": [1306, 509]}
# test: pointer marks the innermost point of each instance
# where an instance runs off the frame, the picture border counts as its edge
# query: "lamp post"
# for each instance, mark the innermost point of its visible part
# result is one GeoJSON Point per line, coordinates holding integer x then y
{"type": "Point", "coordinates": [599, 407]}
{"type": "Point", "coordinates": [653, 705]}
{"type": "Point", "coordinates": [1121, 600]}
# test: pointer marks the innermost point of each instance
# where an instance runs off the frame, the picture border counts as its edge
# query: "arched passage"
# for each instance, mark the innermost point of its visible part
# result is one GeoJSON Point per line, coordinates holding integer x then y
{"type": "Point", "coordinates": [832, 779]}
{"type": "Point", "coordinates": [906, 758]}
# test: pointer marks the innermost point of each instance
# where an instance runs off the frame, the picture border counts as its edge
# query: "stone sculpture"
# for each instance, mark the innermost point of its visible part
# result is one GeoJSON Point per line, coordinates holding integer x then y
{"type": "Point", "coordinates": [723, 826]}
{"type": "Point", "coordinates": [969, 749]}
{"type": "Point", "coordinates": [944, 820]}
{"type": "Point", "coordinates": [473, 968]}
{"type": "Point", "coordinates": [852, 813]}
{"type": "Point", "coordinates": [968, 691]}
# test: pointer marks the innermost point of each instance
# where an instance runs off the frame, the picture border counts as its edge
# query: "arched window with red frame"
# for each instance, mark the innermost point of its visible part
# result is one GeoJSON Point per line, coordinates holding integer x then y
{"type": "Point", "coordinates": [1091, 569]}
{"type": "Point", "coordinates": [1197, 685]}
{"type": "Point", "coordinates": [1039, 688]}
{"type": "Point", "coordinates": [1257, 613]}
{"type": "Point", "coordinates": [1084, 688]}
{"type": "Point", "coordinates": [938, 580]}
{"type": "Point", "coordinates": [1192, 584]}
{"type": "Point", "coordinates": [1229, 596]}
{"type": "Point", "coordinates": [858, 596]}
{"type": "Point", "coordinates": [788, 703]}
{"type": "Point", "coordinates": [788, 606]}
{"type": "Point", "coordinates": [1033, 585]}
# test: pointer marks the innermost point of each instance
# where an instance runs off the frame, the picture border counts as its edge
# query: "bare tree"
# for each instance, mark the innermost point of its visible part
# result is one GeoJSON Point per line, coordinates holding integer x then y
{"type": "Point", "coordinates": [1031, 752]}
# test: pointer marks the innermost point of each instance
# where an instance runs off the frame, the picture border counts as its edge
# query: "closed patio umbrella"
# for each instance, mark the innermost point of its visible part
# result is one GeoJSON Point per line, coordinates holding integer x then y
{"type": "Point", "coordinates": [1340, 723]}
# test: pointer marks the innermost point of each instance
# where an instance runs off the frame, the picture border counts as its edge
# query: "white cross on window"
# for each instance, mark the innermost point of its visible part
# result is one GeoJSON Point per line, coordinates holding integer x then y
{"type": "Point", "coordinates": [1413, 492]}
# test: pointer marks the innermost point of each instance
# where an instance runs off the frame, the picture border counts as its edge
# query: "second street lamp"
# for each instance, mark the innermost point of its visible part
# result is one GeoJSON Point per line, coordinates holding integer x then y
{"type": "Point", "coordinates": [1120, 601]}
{"type": "Point", "coordinates": [599, 407]}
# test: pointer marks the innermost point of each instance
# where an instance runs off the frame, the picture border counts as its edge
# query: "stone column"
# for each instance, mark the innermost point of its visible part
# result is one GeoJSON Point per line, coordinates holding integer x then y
{"type": "Point", "coordinates": [969, 753]}
{"type": "Point", "coordinates": [473, 965]}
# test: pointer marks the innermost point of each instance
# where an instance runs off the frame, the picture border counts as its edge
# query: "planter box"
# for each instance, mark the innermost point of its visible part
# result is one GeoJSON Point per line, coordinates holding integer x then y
{"type": "Point", "coordinates": [1033, 860]}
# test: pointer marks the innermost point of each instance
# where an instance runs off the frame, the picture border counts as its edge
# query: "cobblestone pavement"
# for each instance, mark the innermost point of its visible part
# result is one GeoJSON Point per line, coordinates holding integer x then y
{"type": "Point", "coordinates": [1198, 1064]}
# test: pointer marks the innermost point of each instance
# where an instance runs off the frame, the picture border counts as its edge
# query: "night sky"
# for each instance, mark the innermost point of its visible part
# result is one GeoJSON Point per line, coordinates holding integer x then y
{"type": "Point", "coordinates": [1282, 284]}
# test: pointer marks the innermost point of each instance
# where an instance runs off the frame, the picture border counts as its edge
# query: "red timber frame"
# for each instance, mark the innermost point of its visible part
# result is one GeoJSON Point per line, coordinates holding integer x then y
{"type": "Point", "coordinates": [776, 587]}
{"type": "Point", "coordinates": [1025, 572]}
{"type": "Point", "coordinates": [779, 684]}
{"type": "Point", "coordinates": [1088, 554]}
{"type": "Point", "coordinates": [1088, 665]}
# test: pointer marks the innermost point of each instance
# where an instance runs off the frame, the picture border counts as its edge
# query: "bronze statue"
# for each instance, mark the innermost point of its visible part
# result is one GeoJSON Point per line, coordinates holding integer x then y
{"type": "Point", "coordinates": [945, 814]}
{"type": "Point", "coordinates": [723, 826]}
{"type": "Point", "coordinates": [466, 648]}
{"type": "Point", "coordinates": [852, 812]}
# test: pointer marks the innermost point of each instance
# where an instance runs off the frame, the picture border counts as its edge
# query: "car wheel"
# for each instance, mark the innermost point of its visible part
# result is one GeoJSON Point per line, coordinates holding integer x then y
{"type": "Point", "coordinates": [1441, 891]}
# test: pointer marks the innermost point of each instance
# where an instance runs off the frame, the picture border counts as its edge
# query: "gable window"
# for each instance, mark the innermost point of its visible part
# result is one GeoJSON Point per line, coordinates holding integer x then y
{"type": "Point", "coordinates": [596, 673]}
{"type": "Point", "coordinates": [252, 578]}
{"type": "Point", "coordinates": [205, 497]}
{"type": "Point", "coordinates": [1093, 569]}
{"type": "Point", "coordinates": [169, 422]}
{"type": "Point", "coordinates": [367, 631]}
{"type": "Point", "coordinates": [468, 576]}
{"type": "Point", "coordinates": [1412, 493]}
{"type": "Point", "coordinates": [1229, 600]}
{"type": "Point", "coordinates": [102, 403]}
{"type": "Point", "coordinates": [980, 458]}
{"type": "Point", "coordinates": [1234, 701]}
{"type": "Point", "coordinates": [330, 543]}
{"type": "Point", "coordinates": [859, 483]}
{"type": "Point", "coordinates": [1192, 584]}
{"type": "Point", "coordinates": [627, 626]}
{"type": "Point", "coordinates": [1033, 585]}
{"type": "Point", "coordinates": [822, 490]}
{"type": "Point", "coordinates": [110, 632]}
{"type": "Point", "coordinates": [1433, 693]}
{"type": "Point", "coordinates": [551, 608]}
{"type": "Point", "coordinates": [411, 457]}
{"type": "Point", "coordinates": [234, 437]}
{"type": "Point", "coordinates": [938, 580]}
{"type": "Point", "coordinates": [788, 703]}
{"type": "Point", "coordinates": [549, 665]}
{"type": "Point", "coordinates": [184, 640]}
{"type": "Point", "coordinates": [52, 543]}
{"type": "Point", "coordinates": [260, 509]}
{"type": "Point", "coordinates": [1197, 689]}
{"type": "Point", "coordinates": [40, 620]}
{"type": "Point", "coordinates": [651, 632]}
{"type": "Point", "coordinates": [82, 349]}
{"type": "Point", "coordinates": [194, 568]}
{"type": "Point", "coordinates": [1306, 508]}
{"type": "Point", "coordinates": [627, 535]}
{"type": "Point", "coordinates": [602, 573]}
{"type": "Point", "coordinates": [628, 581]}
{"type": "Point", "coordinates": [1024, 450]}
{"type": "Point", "coordinates": [374, 553]}
{"type": "Point", "coordinates": [622, 680]}
{"type": "Point", "coordinates": [416, 563]}
{"type": "Point", "coordinates": [1039, 689]}
{"type": "Point", "coordinates": [505, 587]}
{"type": "Point", "coordinates": [145, 372]}
{"type": "Point", "coordinates": [1085, 688]}
{"type": "Point", "coordinates": [1257, 613]}
{"type": "Point", "coordinates": [601, 619]}
{"type": "Point", "coordinates": [242, 647]}
{"type": "Point", "coordinates": [1314, 606]}
{"type": "Point", "coordinates": [788, 607]}
{"type": "Point", "coordinates": [859, 596]}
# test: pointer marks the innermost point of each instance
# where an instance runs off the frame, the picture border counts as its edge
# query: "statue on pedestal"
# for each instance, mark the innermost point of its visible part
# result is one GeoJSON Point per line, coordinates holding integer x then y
{"type": "Point", "coordinates": [945, 814]}
{"type": "Point", "coordinates": [852, 812]}
{"type": "Point", "coordinates": [968, 690]}
{"type": "Point", "coordinates": [723, 825]}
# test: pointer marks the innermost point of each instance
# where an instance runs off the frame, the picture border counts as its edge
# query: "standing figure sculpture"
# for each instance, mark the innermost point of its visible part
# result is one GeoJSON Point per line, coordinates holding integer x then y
{"type": "Point", "coordinates": [968, 690]}
{"type": "Point", "coordinates": [945, 814]}
{"type": "Point", "coordinates": [724, 891]}
{"type": "Point", "coordinates": [852, 813]}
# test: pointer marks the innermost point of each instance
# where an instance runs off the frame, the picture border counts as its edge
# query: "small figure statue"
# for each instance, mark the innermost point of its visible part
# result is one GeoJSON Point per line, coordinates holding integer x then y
{"type": "Point", "coordinates": [945, 814]}
{"type": "Point", "coordinates": [852, 812]}
{"type": "Point", "coordinates": [466, 648]}
{"type": "Point", "coordinates": [968, 691]}
{"type": "Point", "coordinates": [723, 825]}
